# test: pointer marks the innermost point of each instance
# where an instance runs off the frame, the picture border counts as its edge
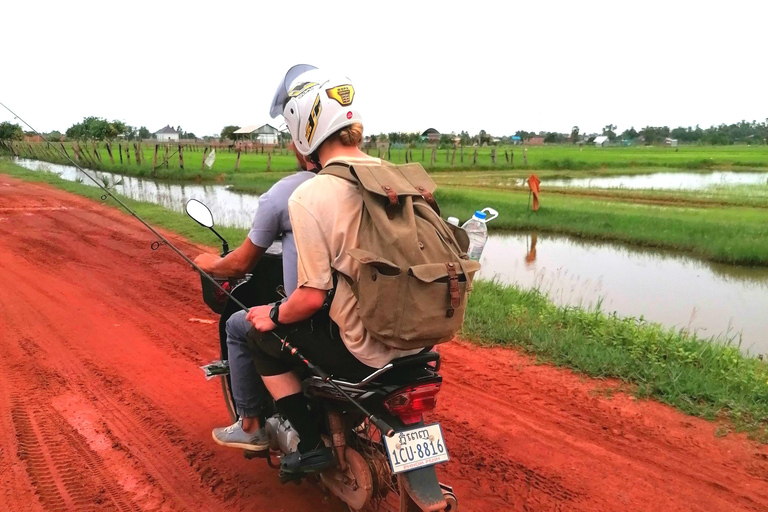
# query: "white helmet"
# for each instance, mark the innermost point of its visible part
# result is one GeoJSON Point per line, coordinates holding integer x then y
{"type": "Point", "coordinates": [315, 105]}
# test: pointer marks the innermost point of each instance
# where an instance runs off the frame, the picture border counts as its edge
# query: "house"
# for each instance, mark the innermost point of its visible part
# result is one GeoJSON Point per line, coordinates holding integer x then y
{"type": "Point", "coordinates": [601, 141]}
{"type": "Point", "coordinates": [535, 141]}
{"type": "Point", "coordinates": [515, 139]}
{"type": "Point", "coordinates": [264, 134]}
{"type": "Point", "coordinates": [166, 134]}
{"type": "Point", "coordinates": [430, 135]}
{"type": "Point", "coordinates": [670, 142]}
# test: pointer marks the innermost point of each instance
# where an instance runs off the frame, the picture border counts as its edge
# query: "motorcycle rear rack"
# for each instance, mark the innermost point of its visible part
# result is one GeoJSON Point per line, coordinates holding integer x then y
{"type": "Point", "coordinates": [421, 359]}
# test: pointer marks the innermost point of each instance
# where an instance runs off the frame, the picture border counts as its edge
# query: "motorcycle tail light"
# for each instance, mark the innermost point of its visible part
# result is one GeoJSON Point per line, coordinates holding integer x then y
{"type": "Point", "coordinates": [410, 403]}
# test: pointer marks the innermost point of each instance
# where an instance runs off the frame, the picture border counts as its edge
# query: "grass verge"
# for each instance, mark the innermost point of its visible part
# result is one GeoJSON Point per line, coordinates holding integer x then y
{"type": "Point", "coordinates": [698, 376]}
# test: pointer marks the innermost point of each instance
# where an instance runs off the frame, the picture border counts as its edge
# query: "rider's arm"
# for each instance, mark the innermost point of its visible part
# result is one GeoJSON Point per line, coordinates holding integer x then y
{"type": "Point", "coordinates": [302, 304]}
{"type": "Point", "coordinates": [238, 262]}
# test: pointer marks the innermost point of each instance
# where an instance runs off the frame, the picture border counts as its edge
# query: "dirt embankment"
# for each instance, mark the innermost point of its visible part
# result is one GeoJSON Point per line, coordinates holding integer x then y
{"type": "Point", "coordinates": [102, 406]}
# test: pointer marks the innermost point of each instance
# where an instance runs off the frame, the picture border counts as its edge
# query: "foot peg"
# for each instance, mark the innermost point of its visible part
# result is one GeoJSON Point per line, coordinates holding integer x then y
{"type": "Point", "coordinates": [290, 477]}
{"type": "Point", "coordinates": [263, 454]}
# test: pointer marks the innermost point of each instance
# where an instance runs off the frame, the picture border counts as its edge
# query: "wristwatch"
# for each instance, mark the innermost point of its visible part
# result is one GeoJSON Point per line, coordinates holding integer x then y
{"type": "Point", "coordinates": [274, 314]}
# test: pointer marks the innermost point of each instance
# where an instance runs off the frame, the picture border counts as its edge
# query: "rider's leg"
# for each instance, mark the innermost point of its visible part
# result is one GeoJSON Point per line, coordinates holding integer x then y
{"type": "Point", "coordinates": [248, 391]}
{"type": "Point", "coordinates": [319, 341]}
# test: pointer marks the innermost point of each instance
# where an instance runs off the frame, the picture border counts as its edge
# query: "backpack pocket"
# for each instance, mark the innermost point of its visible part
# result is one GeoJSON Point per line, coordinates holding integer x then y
{"type": "Point", "coordinates": [378, 292]}
{"type": "Point", "coordinates": [434, 301]}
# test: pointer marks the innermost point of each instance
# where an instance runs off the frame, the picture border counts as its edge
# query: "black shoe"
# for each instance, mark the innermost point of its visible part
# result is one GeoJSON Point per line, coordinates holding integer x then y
{"type": "Point", "coordinates": [314, 460]}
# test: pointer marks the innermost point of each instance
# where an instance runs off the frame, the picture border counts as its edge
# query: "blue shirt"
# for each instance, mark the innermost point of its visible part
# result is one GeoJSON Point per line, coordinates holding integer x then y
{"type": "Point", "coordinates": [272, 219]}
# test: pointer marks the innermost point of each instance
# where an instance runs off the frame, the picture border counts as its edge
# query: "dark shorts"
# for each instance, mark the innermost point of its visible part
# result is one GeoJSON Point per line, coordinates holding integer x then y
{"type": "Point", "coordinates": [317, 339]}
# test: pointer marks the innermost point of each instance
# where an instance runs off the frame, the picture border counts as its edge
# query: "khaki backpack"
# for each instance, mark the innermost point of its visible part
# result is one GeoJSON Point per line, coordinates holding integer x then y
{"type": "Point", "coordinates": [415, 275]}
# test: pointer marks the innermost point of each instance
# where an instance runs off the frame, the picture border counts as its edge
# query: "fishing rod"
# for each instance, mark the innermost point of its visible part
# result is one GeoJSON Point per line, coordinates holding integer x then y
{"type": "Point", "coordinates": [382, 425]}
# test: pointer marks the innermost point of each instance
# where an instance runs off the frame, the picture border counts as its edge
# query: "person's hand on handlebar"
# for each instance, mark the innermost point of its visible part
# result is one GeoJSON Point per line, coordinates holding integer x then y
{"type": "Point", "coordinates": [207, 261]}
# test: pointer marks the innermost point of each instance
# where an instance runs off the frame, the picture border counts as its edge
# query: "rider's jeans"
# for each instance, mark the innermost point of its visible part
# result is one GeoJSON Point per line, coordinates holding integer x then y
{"type": "Point", "coordinates": [248, 389]}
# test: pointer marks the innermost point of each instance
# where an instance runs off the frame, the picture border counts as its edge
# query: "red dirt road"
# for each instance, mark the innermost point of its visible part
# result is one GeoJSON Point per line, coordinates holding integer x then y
{"type": "Point", "coordinates": [103, 407]}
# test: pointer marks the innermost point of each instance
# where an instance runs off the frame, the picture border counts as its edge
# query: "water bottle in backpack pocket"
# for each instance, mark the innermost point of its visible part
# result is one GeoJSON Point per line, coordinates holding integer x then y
{"type": "Point", "coordinates": [477, 231]}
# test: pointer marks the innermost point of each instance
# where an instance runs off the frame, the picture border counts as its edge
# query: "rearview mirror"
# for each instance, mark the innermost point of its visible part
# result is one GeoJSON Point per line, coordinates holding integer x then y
{"type": "Point", "coordinates": [200, 213]}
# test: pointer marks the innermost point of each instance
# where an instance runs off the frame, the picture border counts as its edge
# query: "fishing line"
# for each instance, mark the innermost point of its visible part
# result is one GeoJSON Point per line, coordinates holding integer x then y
{"type": "Point", "coordinates": [155, 245]}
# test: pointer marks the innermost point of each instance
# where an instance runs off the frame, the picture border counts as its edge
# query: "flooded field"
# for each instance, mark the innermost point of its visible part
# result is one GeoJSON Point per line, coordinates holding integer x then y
{"type": "Point", "coordinates": [664, 180]}
{"type": "Point", "coordinates": [711, 299]}
{"type": "Point", "coordinates": [228, 208]}
{"type": "Point", "coordinates": [708, 298]}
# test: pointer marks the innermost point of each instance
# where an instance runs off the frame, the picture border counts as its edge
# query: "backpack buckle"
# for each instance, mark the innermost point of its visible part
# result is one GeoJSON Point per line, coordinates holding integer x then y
{"type": "Point", "coordinates": [453, 289]}
{"type": "Point", "coordinates": [391, 195]}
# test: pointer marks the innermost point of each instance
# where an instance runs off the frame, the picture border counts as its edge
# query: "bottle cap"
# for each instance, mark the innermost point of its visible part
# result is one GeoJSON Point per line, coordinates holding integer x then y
{"type": "Point", "coordinates": [480, 215]}
{"type": "Point", "coordinates": [453, 220]}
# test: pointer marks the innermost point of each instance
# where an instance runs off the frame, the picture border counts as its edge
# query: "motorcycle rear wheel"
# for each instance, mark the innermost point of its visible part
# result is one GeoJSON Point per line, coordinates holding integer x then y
{"type": "Point", "coordinates": [229, 402]}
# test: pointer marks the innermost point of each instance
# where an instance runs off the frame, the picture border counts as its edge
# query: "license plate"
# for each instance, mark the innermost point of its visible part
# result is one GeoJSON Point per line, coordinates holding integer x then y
{"type": "Point", "coordinates": [416, 448]}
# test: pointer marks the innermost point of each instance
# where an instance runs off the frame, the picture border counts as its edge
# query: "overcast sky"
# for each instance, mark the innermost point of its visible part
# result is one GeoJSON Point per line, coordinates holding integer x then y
{"type": "Point", "coordinates": [499, 66]}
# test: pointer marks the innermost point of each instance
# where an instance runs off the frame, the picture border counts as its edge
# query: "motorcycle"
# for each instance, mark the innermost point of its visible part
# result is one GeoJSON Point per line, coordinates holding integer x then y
{"type": "Point", "coordinates": [386, 456]}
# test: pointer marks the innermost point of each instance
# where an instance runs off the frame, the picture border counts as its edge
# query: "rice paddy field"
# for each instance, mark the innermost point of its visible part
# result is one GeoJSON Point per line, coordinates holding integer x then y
{"type": "Point", "coordinates": [557, 160]}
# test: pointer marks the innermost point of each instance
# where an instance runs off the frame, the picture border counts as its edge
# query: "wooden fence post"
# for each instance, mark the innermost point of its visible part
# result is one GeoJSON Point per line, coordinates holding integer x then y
{"type": "Point", "coordinates": [525, 156]}
{"type": "Point", "coordinates": [120, 152]}
{"type": "Point", "coordinates": [474, 157]}
{"type": "Point", "coordinates": [269, 161]}
{"type": "Point", "coordinates": [154, 160]}
{"type": "Point", "coordinates": [433, 156]}
{"type": "Point", "coordinates": [96, 152]}
{"type": "Point", "coordinates": [461, 153]}
{"type": "Point", "coordinates": [237, 162]}
{"type": "Point", "coordinates": [76, 151]}
{"type": "Point", "coordinates": [422, 153]}
{"type": "Point", "coordinates": [109, 152]}
{"type": "Point", "coordinates": [506, 155]}
{"type": "Point", "coordinates": [205, 151]}
{"type": "Point", "coordinates": [136, 153]}
{"type": "Point", "coordinates": [181, 157]}
{"type": "Point", "coordinates": [493, 156]}
{"type": "Point", "coordinates": [511, 157]}
{"type": "Point", "coordinates": [167, 148]}
{"type": "Point", "coordinates": [453, 157]}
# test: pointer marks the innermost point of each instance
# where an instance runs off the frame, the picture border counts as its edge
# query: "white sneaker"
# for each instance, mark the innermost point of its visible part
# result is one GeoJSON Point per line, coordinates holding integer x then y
{"type": "Point", "coordinates": [234, 436]}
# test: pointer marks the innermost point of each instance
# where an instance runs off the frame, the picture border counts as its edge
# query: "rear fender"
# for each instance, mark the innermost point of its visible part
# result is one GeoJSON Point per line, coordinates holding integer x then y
{"type": "Point", "coordinates": [419, 487]}
{"type": "Point", "coordinates": [424, 490]}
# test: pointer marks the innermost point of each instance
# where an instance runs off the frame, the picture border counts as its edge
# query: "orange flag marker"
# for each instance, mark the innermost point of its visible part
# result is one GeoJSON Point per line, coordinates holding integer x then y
{"type": "Point", "coordinates": [533, 184]}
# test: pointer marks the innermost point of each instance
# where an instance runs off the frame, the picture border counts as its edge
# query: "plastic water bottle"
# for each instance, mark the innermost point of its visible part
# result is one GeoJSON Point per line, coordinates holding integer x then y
{"type": "Point", "coordinates": [477, 232]}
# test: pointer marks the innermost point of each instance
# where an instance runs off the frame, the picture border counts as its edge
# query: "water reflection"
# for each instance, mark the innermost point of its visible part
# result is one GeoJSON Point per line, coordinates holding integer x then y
{"type": "Point", "coordinates": [228, 208]}
{"type": "Point", "coordinates": [665, 180]}
{"type": "Point", "coordinates": [710, 299]}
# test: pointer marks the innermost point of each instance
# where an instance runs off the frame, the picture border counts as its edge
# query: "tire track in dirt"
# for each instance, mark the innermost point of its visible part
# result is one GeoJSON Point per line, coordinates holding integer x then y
{"type": "Point", "coordinates": [144, 431]}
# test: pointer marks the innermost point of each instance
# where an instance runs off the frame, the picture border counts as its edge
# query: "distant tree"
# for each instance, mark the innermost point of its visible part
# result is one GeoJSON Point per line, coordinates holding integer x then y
{"type": "Point", "coordinates": [54, 136]}
{"type": "Point", "coordinates": [630, 134]}
{"type": "Point", "coordinates": [524, 135]}
{"type": "Point", "coordinates": [144, 133]}
{"type": "Point", "coordinates": [609, 131]}
{"type": "Point", "coordinates": [464, 138]}
{"type": "Point", "coordinates": [655, 134]}
{"type": "Point", "coordinates": [554, 138]}
{"type": "Point", "coordinates": [96, 128]}
{"type": "Point", "coordinates": [10, 131]}
{"type": "Point", "coordinates": [228, 132]}
{"type": "Point", "coordinates": [574, 135]}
